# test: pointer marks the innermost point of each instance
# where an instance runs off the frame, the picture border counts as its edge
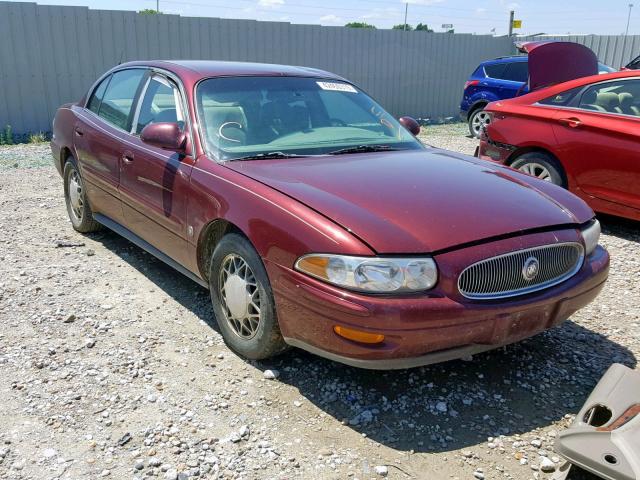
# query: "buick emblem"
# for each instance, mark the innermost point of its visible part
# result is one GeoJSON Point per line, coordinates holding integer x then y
{"type": "Point", "coordinates": [530, 269]}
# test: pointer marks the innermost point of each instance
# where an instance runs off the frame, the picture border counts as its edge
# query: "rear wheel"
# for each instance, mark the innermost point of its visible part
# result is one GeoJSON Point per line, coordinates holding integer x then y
{"type": "Point", "coordinates": [540, 165]}
{"type": "Point", "coordinates": [477, 120]}
{"type": "Point", "coordinates": [242, 299]}
{"type": "Point", "coordinates": [75, 198]}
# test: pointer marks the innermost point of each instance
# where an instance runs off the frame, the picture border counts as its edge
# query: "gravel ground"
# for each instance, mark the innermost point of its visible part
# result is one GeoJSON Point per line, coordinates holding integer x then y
{"type": "Point", "coordinates": [111, 367]}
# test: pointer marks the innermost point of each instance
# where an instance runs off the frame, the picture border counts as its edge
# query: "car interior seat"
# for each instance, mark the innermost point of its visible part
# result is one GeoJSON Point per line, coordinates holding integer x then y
{"type": "Point", "coordinates": [627, 104]}
{"type": "Point", "coordinates": [609, 101]}
{"type": "Point", "coordinates": [588, 101]}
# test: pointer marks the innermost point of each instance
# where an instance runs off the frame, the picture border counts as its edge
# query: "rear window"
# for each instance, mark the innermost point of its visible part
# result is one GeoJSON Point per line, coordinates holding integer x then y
{"type": "Point", "coordinates": [517, 72]}
{"type": "Point", "coordinates": [495, 70]}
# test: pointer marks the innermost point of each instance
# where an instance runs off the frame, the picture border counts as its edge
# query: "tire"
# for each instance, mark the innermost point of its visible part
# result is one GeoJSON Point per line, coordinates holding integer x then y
{"type": "Point", "coordinates": [540, 165]}
{"type": "Point", "coordinates": [241, 293]}
{"type": "Point", "coordinates": [476, 119]}
{"type": "Point", "coordinates": [75, 198]}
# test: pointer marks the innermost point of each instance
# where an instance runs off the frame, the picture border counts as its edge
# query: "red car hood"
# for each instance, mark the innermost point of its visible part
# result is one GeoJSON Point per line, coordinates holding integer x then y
{"type": "Point", "coordinates": [418, 201]}
{"type": "Point", "coordinates": [556, 62]}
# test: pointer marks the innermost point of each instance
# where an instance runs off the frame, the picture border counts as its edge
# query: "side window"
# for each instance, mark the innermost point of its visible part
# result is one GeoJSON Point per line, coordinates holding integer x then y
{"type": "Point", "coordinates": [621, 97]}
{"type": "Point", "coordinates": [517, 72]}
{"type": "Point", "coordinates": [495, 70]}
{"type": "Point", "coordinates": [161, 103]}
{"type": "Point", "coordinates": [118, 98]}
{"type": "Point", "coordinates": [96, 97]}
{"type": "Point", "coordinates": [561, 99]}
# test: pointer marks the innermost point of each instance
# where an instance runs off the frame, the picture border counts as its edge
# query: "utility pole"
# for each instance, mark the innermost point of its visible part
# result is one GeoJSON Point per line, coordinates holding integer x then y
{"type": "Point", "coordinates": [406, 10]}
{"type": "Point", "coordinates": [628, 19]}
{"type": "Point", "coordinates": [512, 15]}
{"type": "Point", "coordinates": [157, 6]}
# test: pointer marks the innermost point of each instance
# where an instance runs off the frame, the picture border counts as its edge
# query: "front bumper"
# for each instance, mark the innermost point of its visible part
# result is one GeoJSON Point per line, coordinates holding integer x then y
{"type": "Point", "coordinates": [427, 328]}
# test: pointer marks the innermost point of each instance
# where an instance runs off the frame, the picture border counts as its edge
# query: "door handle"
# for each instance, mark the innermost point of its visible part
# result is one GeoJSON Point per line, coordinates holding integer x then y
{"type": "Point", "coordinates": [571, 122]}
{"type": "Point", "coordinates": [78, 132]}
{"type": "Point", "coordinates": [127, 157]}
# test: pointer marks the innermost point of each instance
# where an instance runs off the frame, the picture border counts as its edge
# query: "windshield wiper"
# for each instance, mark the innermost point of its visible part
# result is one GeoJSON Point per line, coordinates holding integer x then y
{"type": "Point", "coordinates": [267, 156]}
{"type": "Point", "coordinates": [363, 149]}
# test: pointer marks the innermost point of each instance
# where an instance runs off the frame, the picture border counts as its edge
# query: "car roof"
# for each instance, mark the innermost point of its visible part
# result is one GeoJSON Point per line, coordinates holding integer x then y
{"type": "Point", "coordinates": [215, 68]}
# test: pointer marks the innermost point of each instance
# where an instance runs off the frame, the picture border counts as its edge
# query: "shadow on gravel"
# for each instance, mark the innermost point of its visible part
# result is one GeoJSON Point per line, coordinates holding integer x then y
{"type": "Point", "coordinates": [436, 408]}
{"type": "Point", "coordinates": [620, 227]}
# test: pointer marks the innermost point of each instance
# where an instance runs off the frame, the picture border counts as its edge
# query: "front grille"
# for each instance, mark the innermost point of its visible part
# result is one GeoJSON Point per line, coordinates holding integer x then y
{"type": "Point", "coordinates": [514, 273]}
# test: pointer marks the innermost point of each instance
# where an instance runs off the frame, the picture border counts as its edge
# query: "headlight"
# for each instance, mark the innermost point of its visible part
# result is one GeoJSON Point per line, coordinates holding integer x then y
{"type": "Point", "coordinates": [591, 235]}
{"type": "Point", "coordinates": [372, 274]}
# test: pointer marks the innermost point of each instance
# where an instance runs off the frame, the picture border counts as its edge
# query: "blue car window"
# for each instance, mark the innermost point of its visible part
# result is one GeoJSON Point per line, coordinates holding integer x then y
{"type": "Point", "coordinates": [517, 72]}
{"type": "Point", "coordinates": [495, 70]}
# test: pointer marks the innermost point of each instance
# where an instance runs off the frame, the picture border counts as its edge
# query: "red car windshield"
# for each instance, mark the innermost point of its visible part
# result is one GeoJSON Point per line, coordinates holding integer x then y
{"type": "Point", "coordinates": [253, 117]}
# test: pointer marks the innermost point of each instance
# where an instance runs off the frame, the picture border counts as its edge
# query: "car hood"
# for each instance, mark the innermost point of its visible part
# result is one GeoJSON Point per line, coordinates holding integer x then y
{"type": "Point", "coordinates": [552, 62]}
{"type": "Point", "coordinates": [418, 201]}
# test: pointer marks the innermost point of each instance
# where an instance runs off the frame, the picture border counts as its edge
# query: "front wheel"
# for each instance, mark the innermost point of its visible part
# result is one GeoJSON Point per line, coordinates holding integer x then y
{"type": "Point", "coordinates": [478, 119]}
{"type": "Point", "coordinates": [242, 299]}
{"type": "Point", "coordinates": [540, 165]}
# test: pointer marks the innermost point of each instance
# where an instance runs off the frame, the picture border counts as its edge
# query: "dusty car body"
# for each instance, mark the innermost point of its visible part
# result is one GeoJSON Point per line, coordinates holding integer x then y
{"type": "Point", "coordinates": [384, 254]}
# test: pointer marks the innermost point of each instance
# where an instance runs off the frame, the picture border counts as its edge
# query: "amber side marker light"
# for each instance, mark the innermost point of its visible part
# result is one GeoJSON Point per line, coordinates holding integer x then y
{"type": "Point", "coordinates": [357, 335]}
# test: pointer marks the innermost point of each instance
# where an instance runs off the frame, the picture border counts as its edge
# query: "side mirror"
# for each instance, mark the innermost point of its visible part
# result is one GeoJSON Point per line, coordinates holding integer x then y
{"type": "Point", "coordinates": [164, 135]}
{"type": "Point", "coordinates": [410, 124]}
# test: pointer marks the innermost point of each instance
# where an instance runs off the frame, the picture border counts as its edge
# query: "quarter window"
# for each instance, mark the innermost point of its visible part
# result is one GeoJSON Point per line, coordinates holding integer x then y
{"type": "Point", "coordinates": [495, 70]}
{"type": "Point", "coordinates": [621, 97]}
{"type": "Point", "coordinates": [161, 103]}
{"type": "Point", "coordinates": [561, 99]}
{"type": "Point", "coordinates": [96, 97]}
{"type": "Point", "coordinates": [117, 102]}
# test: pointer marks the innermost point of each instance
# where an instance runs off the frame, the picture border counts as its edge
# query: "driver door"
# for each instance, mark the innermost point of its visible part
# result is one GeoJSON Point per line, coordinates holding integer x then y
{"type": "Point", "coordinates": [154, 182]}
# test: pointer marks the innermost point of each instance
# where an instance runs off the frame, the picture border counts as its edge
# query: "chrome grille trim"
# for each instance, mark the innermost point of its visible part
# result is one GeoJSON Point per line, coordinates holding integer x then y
{"type": "Point", "coordinates": [501, 276]}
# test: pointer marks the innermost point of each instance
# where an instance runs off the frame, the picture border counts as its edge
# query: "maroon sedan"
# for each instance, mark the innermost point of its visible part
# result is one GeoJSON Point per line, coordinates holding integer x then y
{"type": "Point", "coordinates": [319, 221]}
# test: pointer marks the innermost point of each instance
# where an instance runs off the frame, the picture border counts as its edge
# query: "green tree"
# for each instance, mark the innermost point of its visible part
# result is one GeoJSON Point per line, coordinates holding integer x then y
{"type": "Point", "coordinates": [149, 11]}
{"type": "Point", "coordinates": [402, 26]}
{"type": "Point", "coordinates": [359, 25]}
{"type": "Point", "coordinates": [423, 27]}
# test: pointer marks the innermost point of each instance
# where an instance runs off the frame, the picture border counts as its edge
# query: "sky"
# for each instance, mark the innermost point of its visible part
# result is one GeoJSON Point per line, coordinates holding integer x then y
{"type": "Point", "coordinates": [604, 17]}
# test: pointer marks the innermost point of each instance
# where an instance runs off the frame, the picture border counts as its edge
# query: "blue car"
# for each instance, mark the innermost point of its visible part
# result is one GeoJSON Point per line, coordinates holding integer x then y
{"type": "Point", "coordinates": [499, 79]}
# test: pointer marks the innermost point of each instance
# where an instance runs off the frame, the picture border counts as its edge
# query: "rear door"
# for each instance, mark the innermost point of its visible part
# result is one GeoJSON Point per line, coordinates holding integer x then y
{"type": "Point", "coordinates": [599, 142]}
{"type": "Point", "coordinates": [514, 79]}
{"type": "Point", "coordinates": [154, 182]}
{"type": "Point", "coordinates": [102, 127]}
{"type": "Point", "coordinates": [492, 84]}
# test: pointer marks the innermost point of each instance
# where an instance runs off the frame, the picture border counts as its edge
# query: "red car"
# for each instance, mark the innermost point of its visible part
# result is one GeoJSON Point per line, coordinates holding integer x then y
{"type": "Point", "coordinates": [583, 135]}
{"type": "Point", "coordinates": [317, 220]}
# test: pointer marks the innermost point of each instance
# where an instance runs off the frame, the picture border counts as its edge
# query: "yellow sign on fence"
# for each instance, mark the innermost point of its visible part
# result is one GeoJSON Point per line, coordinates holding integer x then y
{"type": "Point", "coordinates": [517, 24]}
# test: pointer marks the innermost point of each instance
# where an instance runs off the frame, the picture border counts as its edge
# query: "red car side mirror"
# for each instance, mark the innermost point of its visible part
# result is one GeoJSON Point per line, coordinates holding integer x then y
{"type": "Point", "coordinates": [168, 136]}
{"type": "Point", "coordinates": [410, 124]}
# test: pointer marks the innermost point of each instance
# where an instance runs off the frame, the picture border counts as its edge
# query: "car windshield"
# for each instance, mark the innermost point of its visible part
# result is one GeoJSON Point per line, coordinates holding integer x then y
{"type": "Point", "coordinates": [280, 117]}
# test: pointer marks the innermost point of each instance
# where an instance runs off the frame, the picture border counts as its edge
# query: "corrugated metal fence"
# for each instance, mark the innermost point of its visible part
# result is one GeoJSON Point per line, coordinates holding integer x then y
{"type": "Point", "coordinates": [50, 55]}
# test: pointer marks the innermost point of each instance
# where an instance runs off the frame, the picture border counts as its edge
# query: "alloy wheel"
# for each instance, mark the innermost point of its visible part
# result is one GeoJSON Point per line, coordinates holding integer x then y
{"type": "Point", "coordinates": [536, 170]}
{"type": "Point", "coordinates": [479, 120]}
{"type": "Point", "coordinates": [240, 296]}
